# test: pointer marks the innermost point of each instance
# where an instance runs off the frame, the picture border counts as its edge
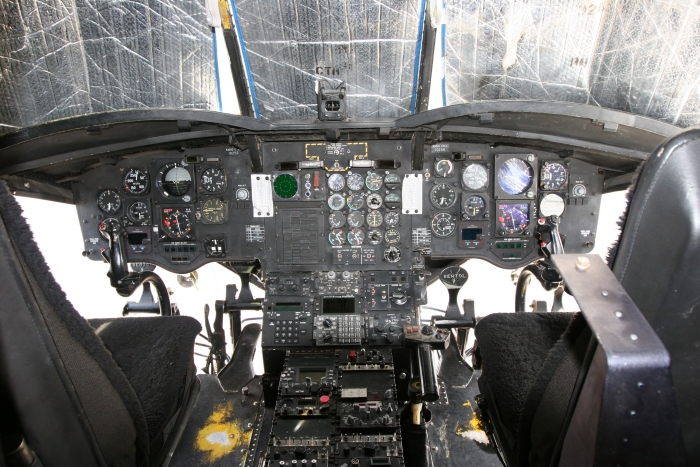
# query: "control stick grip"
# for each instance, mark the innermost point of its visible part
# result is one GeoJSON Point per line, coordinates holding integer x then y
{"type": "Point", "coordinates": [118, 269]}
{"type": "Point", "coordinates": [428, 376]}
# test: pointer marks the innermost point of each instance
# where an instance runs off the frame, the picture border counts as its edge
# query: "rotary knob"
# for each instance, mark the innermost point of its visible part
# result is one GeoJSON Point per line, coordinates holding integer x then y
{"type": "Point", "coordinates": [299, 452]}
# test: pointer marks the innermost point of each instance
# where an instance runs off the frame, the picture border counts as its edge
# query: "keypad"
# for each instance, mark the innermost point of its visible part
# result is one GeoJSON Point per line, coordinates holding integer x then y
{"type": "Point", "coordinates": [288, 332]}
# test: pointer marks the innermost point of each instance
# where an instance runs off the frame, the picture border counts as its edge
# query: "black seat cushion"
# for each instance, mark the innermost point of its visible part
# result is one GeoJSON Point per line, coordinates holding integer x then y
{"type": "Point", "coordinates": [531, 363]}
{"type": "Point", "coordinates": [155, 354]}
{"type": "Point", "coordinates": [514, 347]}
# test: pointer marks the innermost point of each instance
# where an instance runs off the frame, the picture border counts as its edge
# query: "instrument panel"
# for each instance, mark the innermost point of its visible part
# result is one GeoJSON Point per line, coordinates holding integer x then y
{"type": "Point", "coordinates": [356, 206]}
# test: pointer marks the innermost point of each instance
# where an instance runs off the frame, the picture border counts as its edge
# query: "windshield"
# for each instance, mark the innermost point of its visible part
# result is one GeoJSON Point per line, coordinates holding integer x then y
{"type": "Point", "coordinates": [396, 57]}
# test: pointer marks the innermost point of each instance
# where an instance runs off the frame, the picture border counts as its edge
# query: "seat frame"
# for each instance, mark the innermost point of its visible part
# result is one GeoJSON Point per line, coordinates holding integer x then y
{"type": "Point", "coordinates": [626, 412]}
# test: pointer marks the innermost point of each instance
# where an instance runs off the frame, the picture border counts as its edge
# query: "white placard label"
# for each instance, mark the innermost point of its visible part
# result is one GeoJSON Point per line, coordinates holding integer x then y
{"type": "Point", "coordinates": [261, 195]}
{"type": "Point", "coordinates": [412, 194]}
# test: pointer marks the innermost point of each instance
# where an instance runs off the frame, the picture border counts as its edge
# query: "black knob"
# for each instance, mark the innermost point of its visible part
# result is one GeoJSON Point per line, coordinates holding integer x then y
{"type": "Point", "coordinates": [379, 327]}
{"type": "Point", "coordinates": [390, 338]}
{"type": "Point", "coordinates": [328, 322]}
{"type": "Point", "coordinates": [369, 449]}
{"type": "Point", "coordinates": [427, 330]}
{"type": "Point", "coordinates": [299, 452]}
{"type": "Point", "coordinates": [295, 287]}
{"type": "Point", "coordinates": [281, 288]}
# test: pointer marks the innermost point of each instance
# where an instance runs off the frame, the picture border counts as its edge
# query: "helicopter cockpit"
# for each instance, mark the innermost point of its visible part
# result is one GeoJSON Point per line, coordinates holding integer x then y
{"type": "Point", "coordinates": [336, 223]}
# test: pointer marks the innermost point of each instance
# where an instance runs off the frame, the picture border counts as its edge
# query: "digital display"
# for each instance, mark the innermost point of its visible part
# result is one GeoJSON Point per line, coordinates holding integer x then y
{"type": "Point", "coordinates": [315, 375]}
{"type": "Point", "coordinates": [338, 306]}
{"type": "Point", "coordinates": [513, 218]}
{"type": "Point", "coordinates": [137, 238]}
{"type": "Point", "coordinates": [471, 234]}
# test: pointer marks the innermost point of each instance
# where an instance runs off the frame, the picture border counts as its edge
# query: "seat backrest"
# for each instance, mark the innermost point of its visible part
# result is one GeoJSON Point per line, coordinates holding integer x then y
{"type": "Point", "coordinates": [74, 405]}
{"type": "Point", "coordinates": [658, 264]}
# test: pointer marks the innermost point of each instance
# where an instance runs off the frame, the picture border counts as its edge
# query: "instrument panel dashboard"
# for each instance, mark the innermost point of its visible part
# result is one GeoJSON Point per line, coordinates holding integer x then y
{"type": "Point", "coordinates": [320, 206]}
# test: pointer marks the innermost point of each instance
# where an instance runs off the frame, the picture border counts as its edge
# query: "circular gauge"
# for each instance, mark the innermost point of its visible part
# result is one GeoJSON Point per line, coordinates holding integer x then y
{"type": "Point", "coordinates": [443, 224]}
{"type": "Point", "coordinates": [443, 196]}
{"type": "Point", "coordinates": [355, 201]}
{"type": "Point", "coordinates": [109, 224]}
{"type": "Point", "coordinates": [513, 218]}
{"type": "Point", "coordinates": [336, 182]}
{"type": "Point", "coordinates": [374, 201]}
{"type": "Point", "coordinates": [139, 212]}
{"type": "Point", "coordinates": [552, 176]}
{"type": "Point", "coordinates": [213, 180]}
{"type": "Point", "coordinates": [515, 176]}
{"type": "Point", "coordinates": [177, 224]}
{"type": "Point", "coordinates": [374, 237]}
{"type": "Point", "coordinates": [242, 194]}
{"type": "Point", "coordinates": [392, 200]}
{"type": "Point", "coordinates": [444, 168]}
{"type": "Point", "coordinates": [109, 201]}
{"type": "Point", "coordinates": [285, 186]}
{"type": "Point", "coordinates": [355, 182]}
{"type": "Point", "coordinates": [373, 181]}
{"type": "Point", "coordinates": [214, 211]}
{"type": "Point", "coordinates": [175, 179]}
{"type": "Point", "coordinates": [336, 237]}
{"type": "Point", "coordinates": [375, 219]}
{"type": "Point", "coordinates": [392, 254]}
{"type": "Point", "coordinates": [336, 219]}
{"type": "Point", "coordinates": [474, 206]}
{"type": "Point", "coordinates": [391, 181]}
{"type": "Point", "coordinates": [356, 237]}
{"type": "Point", "coordinates": [392, 236]}
{"type": "Point", "coordinates": [551, 205]}
{"type": "Point", "coordinates": [136, 182]}
{"type": "Point", "coordinates": [336, 202]}
{"type": "Point", "coordinates": [355, 219]}
{"type": "Point", "coordinates": [475, 177]}
{"type": "Point", "coordinates": [392, 219]}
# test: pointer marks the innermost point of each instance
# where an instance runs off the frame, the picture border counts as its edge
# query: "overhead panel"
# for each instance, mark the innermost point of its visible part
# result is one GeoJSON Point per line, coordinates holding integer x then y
{"type": "Point", "coordinates": [371, 45]}
{"type": "Point", "coordinates": [62, 58]}
{"type": "Point", "coordinates": [636, 56]}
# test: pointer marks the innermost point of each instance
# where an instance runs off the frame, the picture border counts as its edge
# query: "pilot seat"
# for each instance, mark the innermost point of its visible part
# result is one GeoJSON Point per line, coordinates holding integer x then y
{"type": "Point", "coordinates": [534, 364]}
{"type": "Point", "coordinates": [85, 392]}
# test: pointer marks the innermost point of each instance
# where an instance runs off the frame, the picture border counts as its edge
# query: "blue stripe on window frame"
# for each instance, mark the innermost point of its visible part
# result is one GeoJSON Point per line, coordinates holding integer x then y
{"type": "Point", "coordinates": [216, 69]}
{"type": "Point", "coordinates": [246, 63]}
{"type": "Point", "coordinates": [416, 65]}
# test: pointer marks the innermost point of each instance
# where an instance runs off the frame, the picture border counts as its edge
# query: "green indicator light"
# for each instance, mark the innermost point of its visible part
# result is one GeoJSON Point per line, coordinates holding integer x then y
{"type": "Point", "coordinates": [512, 245]}
{"type": "Point", "coordinates": [520, 245]}
{"type": "Point", "coordinates": [286, 186]}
